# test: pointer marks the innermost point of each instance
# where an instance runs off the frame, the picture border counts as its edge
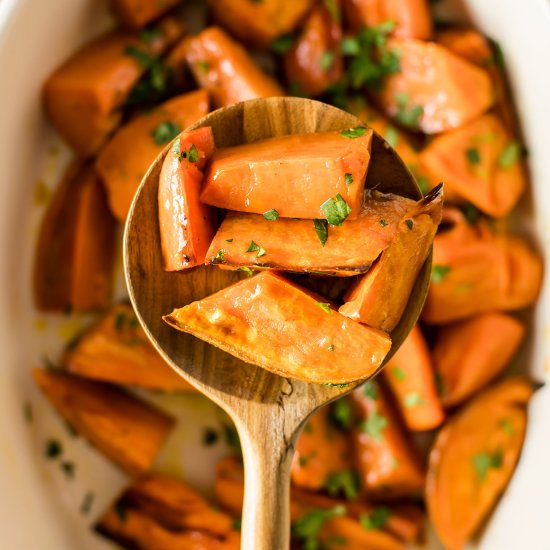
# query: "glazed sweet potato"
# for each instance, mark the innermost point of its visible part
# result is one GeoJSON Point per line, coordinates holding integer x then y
{"type": "Point", "coordinates": [295, 245]}
{"type": "Point", "coordinates": [469, 354]}
{"type": "Point", "coordinates": [116, 350]}
{"type": "Point", "coordinates": [435, 90]}
{"type": "Point", "coordinates": [298, 176]}
{"type": "Point", "coordinates": [367, 300]}
{"type": "Point", "coordinates": [273, 323]}
{"type": "Point", "coordinates": [480, 163]}
{"type": "Point", "coordinates": [322, 457]}
{"type": "Point", "coordinates": [135, 14]}
{"type": "Point", "coordinates": [410, 376]}
{"type": "Point", "coordinates": [259, 23]}
{"type": "Point", "coordinates": [475, 270]}
{"type": "Point", "coordinates": [473, 459]}
{"type": "Point", "coordinates": [159, 512]}
{"type": "Point", "coordinates": [75, 252]}
{"type": "Point", "coordinates": [82, 97]}
{"type": "Point", "coordinates": [225, 69]}
{"type": "Point", "coordinates": [125, 159]}
{"type": "Point", "coordinates": [412, 18]}
{"type": "Point", "coordinates": [127, 430]}
{"type": "Point", "coordinates": [314, 62]}
{"type": "Point", "coordinates": [187, 226]}
{"type": "Point", "coordinates": [387, 462]}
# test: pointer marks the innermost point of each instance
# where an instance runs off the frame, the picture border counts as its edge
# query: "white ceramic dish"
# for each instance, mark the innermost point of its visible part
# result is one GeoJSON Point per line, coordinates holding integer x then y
{"type": "Point", "coordinates": [39, 506]}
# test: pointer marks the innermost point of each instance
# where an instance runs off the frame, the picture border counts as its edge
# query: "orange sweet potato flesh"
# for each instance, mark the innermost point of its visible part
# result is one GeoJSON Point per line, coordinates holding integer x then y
{"type": "Point", "coordinates": [116, 350]}
{"type": "Point", "coordinates": [259, 23]}
{"type": "Point", "coordinates": [273, 323]}
{"type": "Point", "coordinates": [412, 18]}
{"type": "Point", "coordinates": [387, 462]}
{"type": "Point", "coordinates": [322, 450]}
{"type": "Point", "coordinates": [470, 161]}
{"type": "Point", "coordinates": [473, 458]}
{"type": "Point", "coordinates": [469, 354]}
{"type": "Point", "coordinates": [126, 157]}
{"type": "Point", "coordinates": [225, 69]}
{"type": "Point", "coordinates": [293, 245]}
{"type": "Point", "coordinates": [367, 300]}
{"type": "Point", "coordinates": [187, 226]}
{"type": "Point", "coordinates": [410, 376]}
{"type": "Point", "coordinates": [125, 429]}
{"type": "Point", "coordinates": [306, 66]}
{"type": "Point", "coordinates": [83, 96]}
{"type": "Point", "coordinates": [294, 174]}
{"type": "Point", "coordinates": [75, 252]}
{"type": "Point", "coordinates": [135, 14]}
{"type": "Point", "coordinates": [444, 90]}
{"type": "Point", "coordinates": [476, 270]}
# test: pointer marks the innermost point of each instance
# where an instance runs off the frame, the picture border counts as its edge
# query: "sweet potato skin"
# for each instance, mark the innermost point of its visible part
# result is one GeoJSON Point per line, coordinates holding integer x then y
{"type": "Point", "coordinates": [293, 174]}
{"type": "Point", "coordinates": [126, 157]}
{"type": "Point", "coordinates": [124, 428]}
{"type": "Point", "coordinates": [225, 69]}
{"type": "Point", "coordinates": [259, 23]}
{"type": "Point", "coordinates": [293, 245]}
{"type": "Point", "coordinates": [187, 226]}
{"type": "Point", "coordinates": [468, 354]}
{"type": "Point", "coordinates": [367, 300]}
{"type": "Point", "coordinates": [83, 95]}
{"type": "Point", "coordinates": [117, 350]}
{"type": "Point", "coordinates": [135, 14]}
{"type": "Point", "coordinates": [75, 250]}
{"type": "Point", "coordinates": [261, 320]}
{"type": "Point", "coordinates": [473, 458]}
{"type": "Point", "coordinates": [446, 90]}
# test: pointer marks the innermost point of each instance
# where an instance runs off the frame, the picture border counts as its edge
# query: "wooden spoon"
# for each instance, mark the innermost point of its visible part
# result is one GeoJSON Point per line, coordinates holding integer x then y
{"type": "Point", "coordinates": [268, 410]}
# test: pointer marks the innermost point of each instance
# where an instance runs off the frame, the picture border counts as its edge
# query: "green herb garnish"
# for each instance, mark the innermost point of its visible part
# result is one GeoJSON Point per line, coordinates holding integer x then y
{"type": "Point", "coordinates": [413, 400]}
{"type": "Point", "coordinates": [336, 210]}
{"type": "Point", "coordinates": [509, 155]}
{"type": "Point", "coordinates": [399, 373]}
{"type": "Point", "coordinates": [189, 155]}
{"type": "Point", "coordinates": [330, 348]}
{"type": "Point", "coordinates": [326, 62]}
{"type": "Point", "coordinates": [353, 133]}
{"type": "Point", "coordinates": [341, 413]}
{"type": "Point", "coordinates": [271, 215]}
{"type": "Point", "coordinates": [374, 425]}
{"type": "Point", "coordinates": [345, 482]}
{"type": "Point", "coordinates": [282, 43]}
{"type": "Point", "coordinates": [473, 156]}
{"type": "Point", "coordinates": [165, 132]}
{"type": "Point", "coordinates": [333, 9]}
{"type": "Point", "coordinates": [204, 67]}
{"type": "Point", "coordinates": [325, 307]}
{"type": "Point", "coordinates": [409, 117]}
{"type": "Point", "coordinates": [349, 179]}
{"type": "Point", "coordinates": [383, 223]}
{"type": "Point", "coordinates": [308, 528]}
{"type": "Point", "coordinates": [483, 462]}
{"type": "Point", "coordinates": [370, 390]}
{"type": "Point", "coordinates": [228, 240]}
{"type": "Point", "coordinates": [150, 35]}
{"type": "Point", "coordinates": [246, 270]}
{"type": "Point", "coordinates": [220, 256]}
{"type": "Point", "coordinates": [321, 228]}
{"type": "Point", "coordinates": [253, 247]}
{"type": "Point", "coordinates": [377, 519]}
{"type": "Point", "coordinates": [237, 524]}
{"type": "Point", "coordinates": [120, 510]}
{"type": "Point", "coordinates": [439, 272]}
{"type": "Point", "coordinates": [507, 426]}
{"type": "Point", "coordinates": [409, 224]}
{"type": "Point", "coordinates": [391, 136]}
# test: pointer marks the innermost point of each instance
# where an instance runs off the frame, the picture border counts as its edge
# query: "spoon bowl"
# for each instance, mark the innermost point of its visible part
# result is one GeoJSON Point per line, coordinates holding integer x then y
{"type": "Point", "coordinates": [268, 410]}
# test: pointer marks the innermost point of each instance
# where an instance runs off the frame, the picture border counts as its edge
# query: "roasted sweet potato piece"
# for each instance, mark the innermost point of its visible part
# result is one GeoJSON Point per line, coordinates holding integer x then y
{"type": "Point", "coordinates": [187, 226]}
{"type": "Point", "coordinates": [295, 245]}
{"type": "Point", "coordinates": [135, 14]}
{"type": "Point", "coordinates": [387, 463]}
{"type": "Point", "coordinates": [314, 62]}
{"type": "Point", "coordinates": [116, 350]}
{"type": "Point", "coordinates": [480, 163]}
{"type": "Point", "coordinates": [473, 459]}
{"type": "Point", "coordinates": [298, 176]}
{"type": "Point", "coordinates": [260, 22]}
{"type": "Point", "coordinates": [436, 90]}
{"type": "Point", "coordinates": [125, 159]}
{"type": "Point", "coordinates": [225, 69]}
{"type": "Point", "coordinates": [322, 457]}
{"type": "Point", "coordinates": [412, 18]}
{"type": "Point", "coordinates": [468, 354]}
{"type": "Point", "coordinates": [75, 253]}
{"type": "Point", "coordinates": [273, 323]}
{"type": "Point", "coordinates": [127, 430]}
{"type": "Point", "coordinates": [475, 270]}
{"type": "Point", "coordinates": [83, 96]}
{"type": "Point", "coordinates": [410, 376]}
{"type": "Point", "coordinates": [367, 300]}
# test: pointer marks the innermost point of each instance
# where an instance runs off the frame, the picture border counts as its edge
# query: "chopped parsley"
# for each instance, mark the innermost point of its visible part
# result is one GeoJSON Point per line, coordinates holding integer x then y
{"type": "Point", "coordinates": [333, 9]}
{"type": "Point", "coordinates": [253, 247]}
{"type": "Point", "coordinates": [331, 347]}
{"type": "Point", "coordinates": [353, 133]}
{"type": "Point", "coordinates": [473, 156]}
{"type": "Point", "coordinates": [399, 373]}
{"type": "Point", "coordinates": [144, 60]}
{"type": "Point", "coordinates": [340, 386]}
{"type": "Point", "coordinates": [374, 425]}
{"type": "Point", "coordinates": [483, 462]}
{"type": "Point", "coordinates": [383, 223]}
{"type": "Point", "coordinates": [189, 155]}
{"type": "Point", "coordinates": [282, 43]}
{"type": "Point", "coordinates": [413, 400]}
{"type": "Point", "coordinates": [439, 272]}
{"type": "Point", "coordinates": [325, 307]}
{"type": "Point", "coordinates": [470, 212]}
{"type": "Point", "coordinates": [377, 519]}
{"type": "Point", "coordinates": [53, 449]}
{"type": "Point", "coordinates": [326, 62]}
{"type": "Point", "coordinates": [345, 482]}
{"type": "Point", "coordinates": [228, 240]}
{"type": "Point", "coordinates": [210, 436]}
{"type": "Point", "coordinates": [509, 155]}
{"type": "Point", "coordinates": [341, 414]}
{"type": "Point", "coordinates": [349, 178]}
{"type": "Point", "coordinates": [203, 66]}
{"type": "Point", "coordinates": [336, 210]}
{"type": "Point", "coordinates": [423, 184]}
{"type": "Point", "coordinates": [220, 256]}
{"type": "Point", "coordinates": [246, 270]}
{"type": "Point", "coordinates": [308, 528]}
{"type": "Point", "coordinates": [321, 228]}
{"type": "Point", "coordinates": [409, 224]}
{"type": "Point", "coordinates": [370, 390]}
{"type": "Point", "coordinates": [409, 117]}
{"type": "Point", "coordinates": [165, 132]}
{"type": "Point", "coordinates": [391, 136]}
{"type": "Point", "coordinates": [150, 35]}
{"type": "Point", "coordinates": [237, 524]}
{"type": "Point", "coordinates": [120, 510]}
{"type": "Point", "coordinates": [507, 426]}
{"type": "Point", "coordinates": [271, 215]}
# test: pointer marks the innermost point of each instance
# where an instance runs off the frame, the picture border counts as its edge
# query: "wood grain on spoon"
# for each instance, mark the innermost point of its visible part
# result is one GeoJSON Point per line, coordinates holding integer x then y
{"type": "Point", "coordinates": [267, 409]}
